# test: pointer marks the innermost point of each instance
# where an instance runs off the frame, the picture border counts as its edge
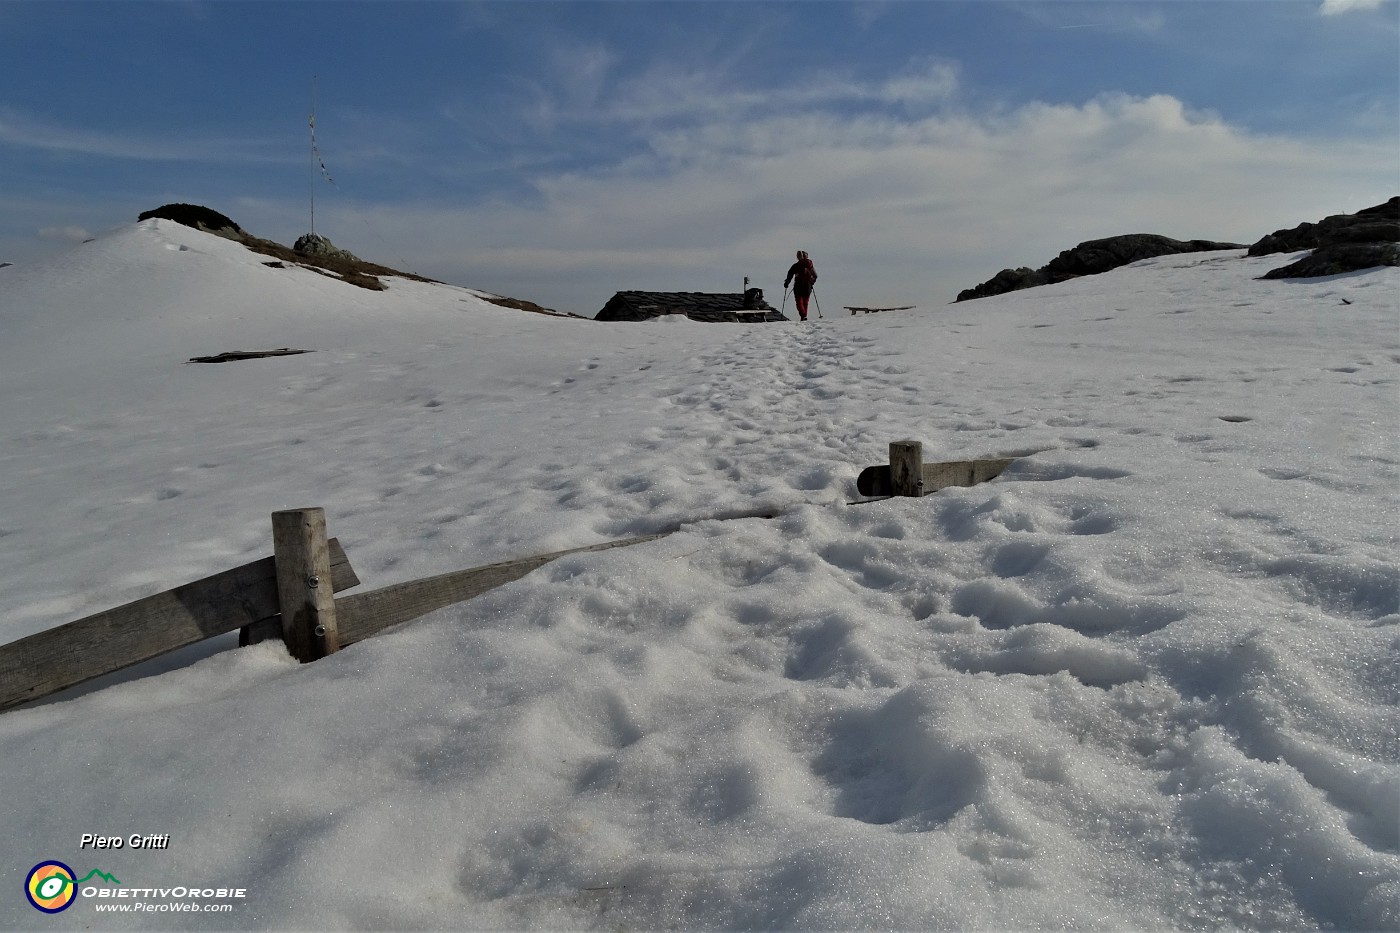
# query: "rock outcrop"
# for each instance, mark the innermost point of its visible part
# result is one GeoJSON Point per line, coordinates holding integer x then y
{"type": "Point", "coordinates": [1007, 280]}
{"type": "Point", "coordinates": [197, 216]}
{"type": "Point", "coordinates": [313, 244]}
{"type": "Point", "coordinates": [1337, 259]}
{"type": "Point", "coordinates": [1340, 243]}
{"type": "Point", "coordinates": [1091, 257]}
{"type": "Point", "coordinates": [1374, 224]}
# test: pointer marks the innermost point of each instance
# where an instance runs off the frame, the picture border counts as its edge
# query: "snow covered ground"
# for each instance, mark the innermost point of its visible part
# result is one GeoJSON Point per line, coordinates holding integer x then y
{"type": "Point", "coordinates": [1146, 679]}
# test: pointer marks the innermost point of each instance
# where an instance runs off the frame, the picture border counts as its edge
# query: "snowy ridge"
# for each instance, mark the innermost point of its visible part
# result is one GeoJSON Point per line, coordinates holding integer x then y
{"type": "Point", "coordinates": [1146, 679]}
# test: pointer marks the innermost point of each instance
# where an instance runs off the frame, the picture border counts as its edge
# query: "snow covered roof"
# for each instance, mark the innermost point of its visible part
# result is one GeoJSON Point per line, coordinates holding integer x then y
{"type": "Point", "coordinates": [707, 307]}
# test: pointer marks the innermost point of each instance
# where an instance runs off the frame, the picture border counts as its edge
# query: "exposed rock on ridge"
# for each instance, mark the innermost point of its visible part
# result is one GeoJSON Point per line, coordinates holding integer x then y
{"type": "Point", "coordinates": [194, 215]}
{"type": "Point", "coordinates": [1340, 243]}
{"type": "Point", "coordinates": [1091, 257]}
{"type": "Point", "coordinates": [313, 244]}
{"type": "Point", "coordinates": [1373, 224]}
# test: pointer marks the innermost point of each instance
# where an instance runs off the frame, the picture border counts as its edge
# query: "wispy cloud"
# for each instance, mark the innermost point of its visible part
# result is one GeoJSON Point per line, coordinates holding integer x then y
{"type": "Point", "coordinates": [587, 84]}
{"type": "Point", "coordinates": [19, 129]}
{"type": "Point", "coordinates": [65, 234]}
{"type": "Point", "coordinates": [1116, 17]}
{"type": "Point", "coordinates": [869, 12]}
{"type": "Point", "coordinates": [1337, 7]}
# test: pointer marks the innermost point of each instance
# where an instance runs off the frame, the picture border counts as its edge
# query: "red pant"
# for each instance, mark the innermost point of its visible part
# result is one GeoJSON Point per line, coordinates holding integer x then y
{"type": "Point", "coordinates": [801, 300]}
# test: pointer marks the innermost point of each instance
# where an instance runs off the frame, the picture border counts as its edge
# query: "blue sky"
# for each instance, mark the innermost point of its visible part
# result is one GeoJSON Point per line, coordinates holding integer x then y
{"type": "Point", "coordinates": [562, 151]}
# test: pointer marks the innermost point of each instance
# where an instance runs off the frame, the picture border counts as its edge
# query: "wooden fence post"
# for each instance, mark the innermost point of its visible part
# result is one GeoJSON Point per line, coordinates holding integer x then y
{"type": "Point", "coordinates": [304, 592]}
{"type": "Point", "coordinates": [907, 468]}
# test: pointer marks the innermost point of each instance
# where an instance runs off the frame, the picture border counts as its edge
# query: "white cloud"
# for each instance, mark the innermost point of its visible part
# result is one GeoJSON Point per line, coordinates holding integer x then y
{"type": "Point", "coordinates": [66, 234]}
{"type": "Point", "coordinates": [930, 82]}
{"type": "Point", "coordinates": [1337, 7]}
{"type": "Point", "coordinates": [894, 209]}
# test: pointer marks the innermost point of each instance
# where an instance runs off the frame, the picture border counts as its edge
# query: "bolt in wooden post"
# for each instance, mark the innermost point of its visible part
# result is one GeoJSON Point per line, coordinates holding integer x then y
{"type": "Point", "coordinates": [907, 468]}
{"type": "Point", "coordinates": [304, 592]}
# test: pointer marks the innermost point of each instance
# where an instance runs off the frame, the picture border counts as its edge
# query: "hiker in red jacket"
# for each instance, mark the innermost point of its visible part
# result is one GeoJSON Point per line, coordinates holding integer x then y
{"type": "Point", "coordinates": [802, 276]}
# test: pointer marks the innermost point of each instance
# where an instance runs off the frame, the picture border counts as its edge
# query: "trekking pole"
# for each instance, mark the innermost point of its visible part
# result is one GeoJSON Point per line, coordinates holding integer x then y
{"type": "Point", "coordinates": [818, 301]}
{"type": "Point", "coordinates": [785, 291]}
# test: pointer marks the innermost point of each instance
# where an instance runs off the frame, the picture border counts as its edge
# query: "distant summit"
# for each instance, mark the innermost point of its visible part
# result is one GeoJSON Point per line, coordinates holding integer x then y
{"type": "Point", "coordinates": [313, 251]}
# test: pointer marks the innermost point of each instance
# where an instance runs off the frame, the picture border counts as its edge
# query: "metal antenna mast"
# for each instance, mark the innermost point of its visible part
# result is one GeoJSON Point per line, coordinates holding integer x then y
{"type": "Point", "coordinates": [316, 161]}
{"type": "Point", "coordinates": [313, 155]}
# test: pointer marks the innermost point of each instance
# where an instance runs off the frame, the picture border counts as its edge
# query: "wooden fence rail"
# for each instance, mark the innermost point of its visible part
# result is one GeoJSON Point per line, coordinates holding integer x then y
{"type": "Point", "coordinates": [907, 475]}
{"type": "Point", "coordinates": [284, 596]}
{"type": "Point", "coordinates": [61, 657]}
{"type": "Point", "coordinates": [291, 595]}
{"type": "Point", "coordinates": [366, 614]}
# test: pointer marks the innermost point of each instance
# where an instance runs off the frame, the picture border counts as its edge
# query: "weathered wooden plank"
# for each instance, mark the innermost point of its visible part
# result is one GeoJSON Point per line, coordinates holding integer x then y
{"type": "Point", "coordinates": [962, 473]}
{"type": "Point", "coordinates": [906, 468]}
{"type": "Point", "coordinates": [304, 595]}
{"type": "Point", "coordinates": [365, 614]}
{"type": "Point", "coordinates": [61, 657]}
{"type": "Point", "coordinates": [875, 480]}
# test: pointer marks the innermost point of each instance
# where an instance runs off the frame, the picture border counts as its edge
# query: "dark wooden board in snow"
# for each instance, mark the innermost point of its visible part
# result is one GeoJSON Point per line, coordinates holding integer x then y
{"type": "Point", "coordinates": [246, 355]}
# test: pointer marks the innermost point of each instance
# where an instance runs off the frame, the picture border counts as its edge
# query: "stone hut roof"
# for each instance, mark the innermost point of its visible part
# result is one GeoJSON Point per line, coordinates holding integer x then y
{"type": "Point", "coordinates": [706, 307]}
